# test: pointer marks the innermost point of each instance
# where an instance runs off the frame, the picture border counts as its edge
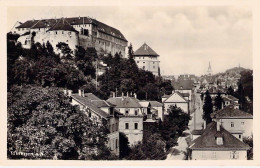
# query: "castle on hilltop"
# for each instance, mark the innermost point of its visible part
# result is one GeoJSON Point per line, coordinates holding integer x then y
{"type": "Point", "coordinates": [75, 31]}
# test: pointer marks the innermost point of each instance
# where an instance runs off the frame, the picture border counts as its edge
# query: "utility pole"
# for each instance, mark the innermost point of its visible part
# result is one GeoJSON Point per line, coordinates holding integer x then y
{"type": "Point", "coordinates": [96, 73]}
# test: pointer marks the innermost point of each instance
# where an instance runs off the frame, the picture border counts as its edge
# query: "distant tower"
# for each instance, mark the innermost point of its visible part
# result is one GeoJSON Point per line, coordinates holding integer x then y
{"type": "Point", "coordinates": [209, 70]}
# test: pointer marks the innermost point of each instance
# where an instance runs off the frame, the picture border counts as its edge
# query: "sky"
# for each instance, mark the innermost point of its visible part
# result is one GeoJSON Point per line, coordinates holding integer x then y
{"type": "Point", "coordinates": [187, 38]}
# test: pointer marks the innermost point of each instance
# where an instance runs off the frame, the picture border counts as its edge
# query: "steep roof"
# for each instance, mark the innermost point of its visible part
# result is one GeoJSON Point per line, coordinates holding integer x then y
{"type": "Point", "coordinates": [79, 20]}
{"type": "Point", "coordinates": [207, 141]}
{"type": "Point", "coordinates": [175, 97]}
{"type": "Point", "coordinates": [145, 50]}
{"type": "Point", "coordinates": [231, 112]}
{"type": "Point", "coordinates": [126, 102]}
{"type": "Point", "coordinates": [62, 24]}
{"type": "Point", "coordinates": [156, 104]}
{"type": "Point", "coordinates": [45, 23]}
{"type": "Point", "coordinates": [108, 29]}
{"type": "Point", "coordinates": [184, 85]}
{"type": "Point", "coordinates": [28, 24]}
{"type": "Point", "coordinates": [86, 102]}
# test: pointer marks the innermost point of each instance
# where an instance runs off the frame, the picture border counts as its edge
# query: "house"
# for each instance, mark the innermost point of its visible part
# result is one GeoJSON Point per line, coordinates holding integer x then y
{"type": "Point", "coordinates": [147, 59]}
{"type": "Point", "coordinates": [216, 143]}
{"type": "Point", "coordinates": [90, 33]}
{"type": "Point", "coordinates": [156, 109]}
{"type": "Point", "coordinates": [184, 86]}
{"type": "Point", "coordinates": [237, 122]}
{"type": "Point", "coordinates": [99, 111]}
{"type": "Point", "coordinates": [177, 99]}
{"type": "Point", "coordinates": [230, 100]}
{"type": "Point", "coordinates": [131, 122]}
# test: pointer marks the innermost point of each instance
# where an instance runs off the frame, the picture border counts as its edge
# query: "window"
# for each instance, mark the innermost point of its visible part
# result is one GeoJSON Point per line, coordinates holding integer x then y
{"type": "Point", "coordinates": [232, 124]}
{"type": "Point", "coordinates": [62, 32]}
{"type": "Point", "coordinates": [214, 155]}
{"type": "Point", "coordinates": [89, 114]}
{"type": "Point", "coordinates": [111, 111]}
{"type": "Point", "coordinates": [56, 32]}
{"type": "Point", "coordinates": [69, 33]}
{"type": "Point", "coordinates": [242, 124]}
{"type": "Point", "coordinates": [234, 155]}
{"type": "Point", "coordinates": [116, 143]}
{"type": "Point", "coordinates": [219, 141]}
{"type": "Point", "coordinates": [153, 67]}
{"type": "Point", "coordinates": [126, 111]}
{"type": "Point", "coordinates": [126, 125]}
{"type": "Point", "coordinates": [39, 28]}
{"type": "Point", "coordinates": [143, 57]}
{"type": "Point", "coordinates": [239, 136]}
{"type": "Point", "coordinates": [136, 125]}
{"type": "Point", "coordinates": [18, 29]}
{"type": "Point", "coordinates": [143, 62]}
{"type": "Point", "coordinates": [153, 62]}
{"type": "Point", "coordinates": [136, 112]}
{"type": "Point", "coordinates": [137, 61]}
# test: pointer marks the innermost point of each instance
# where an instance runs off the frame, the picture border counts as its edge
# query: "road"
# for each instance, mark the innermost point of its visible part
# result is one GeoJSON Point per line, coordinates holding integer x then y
{"type": "Point", "coordinates": [196, 122]}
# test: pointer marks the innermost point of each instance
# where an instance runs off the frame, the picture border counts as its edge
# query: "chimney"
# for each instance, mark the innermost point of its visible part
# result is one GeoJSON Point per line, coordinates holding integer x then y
{"type": "Point", "coordinates": [79, 17]}
{"type": "Point", "coordinates": [127, 94]}
{"type": "Point", "coordinates": [65, 91]}
{"type": "Point", "coordinates": [204, 125]}
{"type": "Point", "coordinates": [114, 94]}
{"type": "Point", "coordinates": [218, 125]}
{"type": "Point", "coordinates": [83, 93]}
{"type": "Point", "coordinates": [80, 92]}
{"type": "Point", "coordinates": [135, 95]}
{"type": "Point", "coordinates": [69, 92]}
{"type": "Point", "coordinates": [122, 94]}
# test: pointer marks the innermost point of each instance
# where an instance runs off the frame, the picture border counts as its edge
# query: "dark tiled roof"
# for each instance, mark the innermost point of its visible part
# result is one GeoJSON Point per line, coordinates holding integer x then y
{"type": "Point", "coordinates": [101, 103]}
{"type": "Point", "coordinates": [156, 104]}
{"type": "Point", "coordinates": [62, 24]}
{"type": "Point", "coordinates": [126, 102]}
{"type": "Point", "coordinates": [145, 50]}
{"type": "Point", "coordinates": [207, 141]}
{"type": "Point", "coordinates": [28, 24]}
{"type": "Point", "coordinates": [108, 30]}
{"type": "Point", "coordinates": [86, 102]}
{"type": "Point", "coordinates": [45, 23]}
{"type": "Point", "coordinates": [197, 132]}
{"type": "Point", "coordinates": [79, 20]}
{"type": "Point", "coordinates": [230, 112]}
{"type": "Point", "coordinates": [184, 85]}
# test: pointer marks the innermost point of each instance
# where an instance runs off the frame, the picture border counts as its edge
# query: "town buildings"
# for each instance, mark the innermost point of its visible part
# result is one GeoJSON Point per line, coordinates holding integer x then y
{"type": "Point", "coordinates": [216, 143]}
{"type": "Point", "coordinates": [147, 59]}
{"type": "Point", "coordinates": [237, 122]}
{"type": "Point", "coordinates": [131, 122]}
{"type": "Point", "coordinates": [176, 98]}
{"type": "Point", "coordinates": [82, 31]}
{"type": "Point", "coordinates": [100, 112]}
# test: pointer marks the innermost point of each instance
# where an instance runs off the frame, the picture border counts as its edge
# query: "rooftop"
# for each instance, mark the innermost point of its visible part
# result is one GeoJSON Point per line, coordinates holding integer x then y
{"type": "Point", "coordinates": [231, 112]}
{"type": "Point", "coordinates": [125, 102]}
{"type": "Point", "coordinates": [62, 24]}
{"type": "Point", "coordinates": [207, 141]}
{"type": "Point", "coordinates": [145, 50]}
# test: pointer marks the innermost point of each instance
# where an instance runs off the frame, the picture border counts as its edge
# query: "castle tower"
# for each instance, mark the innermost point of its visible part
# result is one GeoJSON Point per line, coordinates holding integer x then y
{"type": "Point", "coordinates": [147, 59]}
{"type": "Point", "coordinates": [209, 70]}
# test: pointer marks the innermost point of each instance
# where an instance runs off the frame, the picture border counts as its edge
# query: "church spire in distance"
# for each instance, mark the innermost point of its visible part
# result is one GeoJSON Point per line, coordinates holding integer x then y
{"type": "Point", "coordinates": [209, 70]}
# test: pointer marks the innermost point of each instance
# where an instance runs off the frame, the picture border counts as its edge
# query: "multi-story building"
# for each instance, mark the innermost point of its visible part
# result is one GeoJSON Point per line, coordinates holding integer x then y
{"type": "Point", "coordinates": [147, 59]}
{"type": "Point", "coordinates": [216, 143]}
{"type": "Point", "coordinates": [131, 122]}
{"type": "Point", "coordinates": [82, 31]}
{"type": "Point", "coordinates": [98, 111]}
{"type": "Point", "coordinates": [237, 122]}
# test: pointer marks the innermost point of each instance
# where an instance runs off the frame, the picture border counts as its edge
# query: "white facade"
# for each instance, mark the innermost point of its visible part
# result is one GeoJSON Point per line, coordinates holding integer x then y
{"type": "Point", "coordinates": [148, 63]}
{"type": "Point", "coordinates": [219, 155]}
{"type": "Point", "coordinates": [178, 100]}
{"type": "Point", "coordinates": [236, 125]}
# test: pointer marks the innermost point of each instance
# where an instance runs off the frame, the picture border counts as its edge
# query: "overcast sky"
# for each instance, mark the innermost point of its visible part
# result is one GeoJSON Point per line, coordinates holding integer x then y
{"type": "Point", "coordinates": [186, 38]}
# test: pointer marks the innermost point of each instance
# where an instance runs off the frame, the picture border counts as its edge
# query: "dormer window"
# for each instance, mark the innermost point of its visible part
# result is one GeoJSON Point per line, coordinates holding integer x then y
{"type": "Point", "coordinates": [126, 111]}
{"type": "Point", "coordinates": [219, 140]}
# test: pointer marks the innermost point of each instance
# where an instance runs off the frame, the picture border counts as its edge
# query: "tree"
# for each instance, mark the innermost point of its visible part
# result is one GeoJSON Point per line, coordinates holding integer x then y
{"type": "Point", "coordinates": [249, 142]}
{"type": "Point", "coordinates": [207, 108]}
{"type": "Point", "coordinates": [130, 51]}
{"type": "Point", "coordinates": [42, 124]}
{"type": "Point", "coordinates": [173, 125]}
{"type": "Point", "coordinates": [218, 102]}
{"type": "Point", "coordinates": [241, 96]}
{"type": "Point", "coordinates": [230, 91]}
{"type": "Point", "coordinates": [124, 148]}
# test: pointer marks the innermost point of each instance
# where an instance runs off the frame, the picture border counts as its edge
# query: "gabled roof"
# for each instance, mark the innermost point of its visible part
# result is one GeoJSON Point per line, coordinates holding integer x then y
{"type": "Point", "coordinates": [144, 103]}
{"type": "Point", "coordinates": [125, 102]}
{"type": "Point", "coordinates": [231, 112]}
{"type": "Point", "coordinates": [184, 85]}
{"type": "Point", "coordinates": [86, 102]}
{"type": "Point", "coordinates": [145, 50]}
{"type": "Point", "coordinates": [207, 141]}
{"type": "Point", "coordinates": [108, 30]}
{"type": "Point", "coordinates": [28, 24]}
{"type": "Point", "coordinates": [45, 23]}
{"type": "Point", "coordinates": [62, 24]}
{"type": "Point", "coordinates": [182, 99]}
{"type": "Point", "coordinates": [156, 104]}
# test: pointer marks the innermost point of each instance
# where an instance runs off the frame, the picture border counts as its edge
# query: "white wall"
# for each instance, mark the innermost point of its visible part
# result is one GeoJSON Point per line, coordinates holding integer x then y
{"type": "Point", "coordinates": [219, 155]}
{"type": "Point", "coordinates": [131, 111]}
{"type": "Point", "coordinates": [151, 63]}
